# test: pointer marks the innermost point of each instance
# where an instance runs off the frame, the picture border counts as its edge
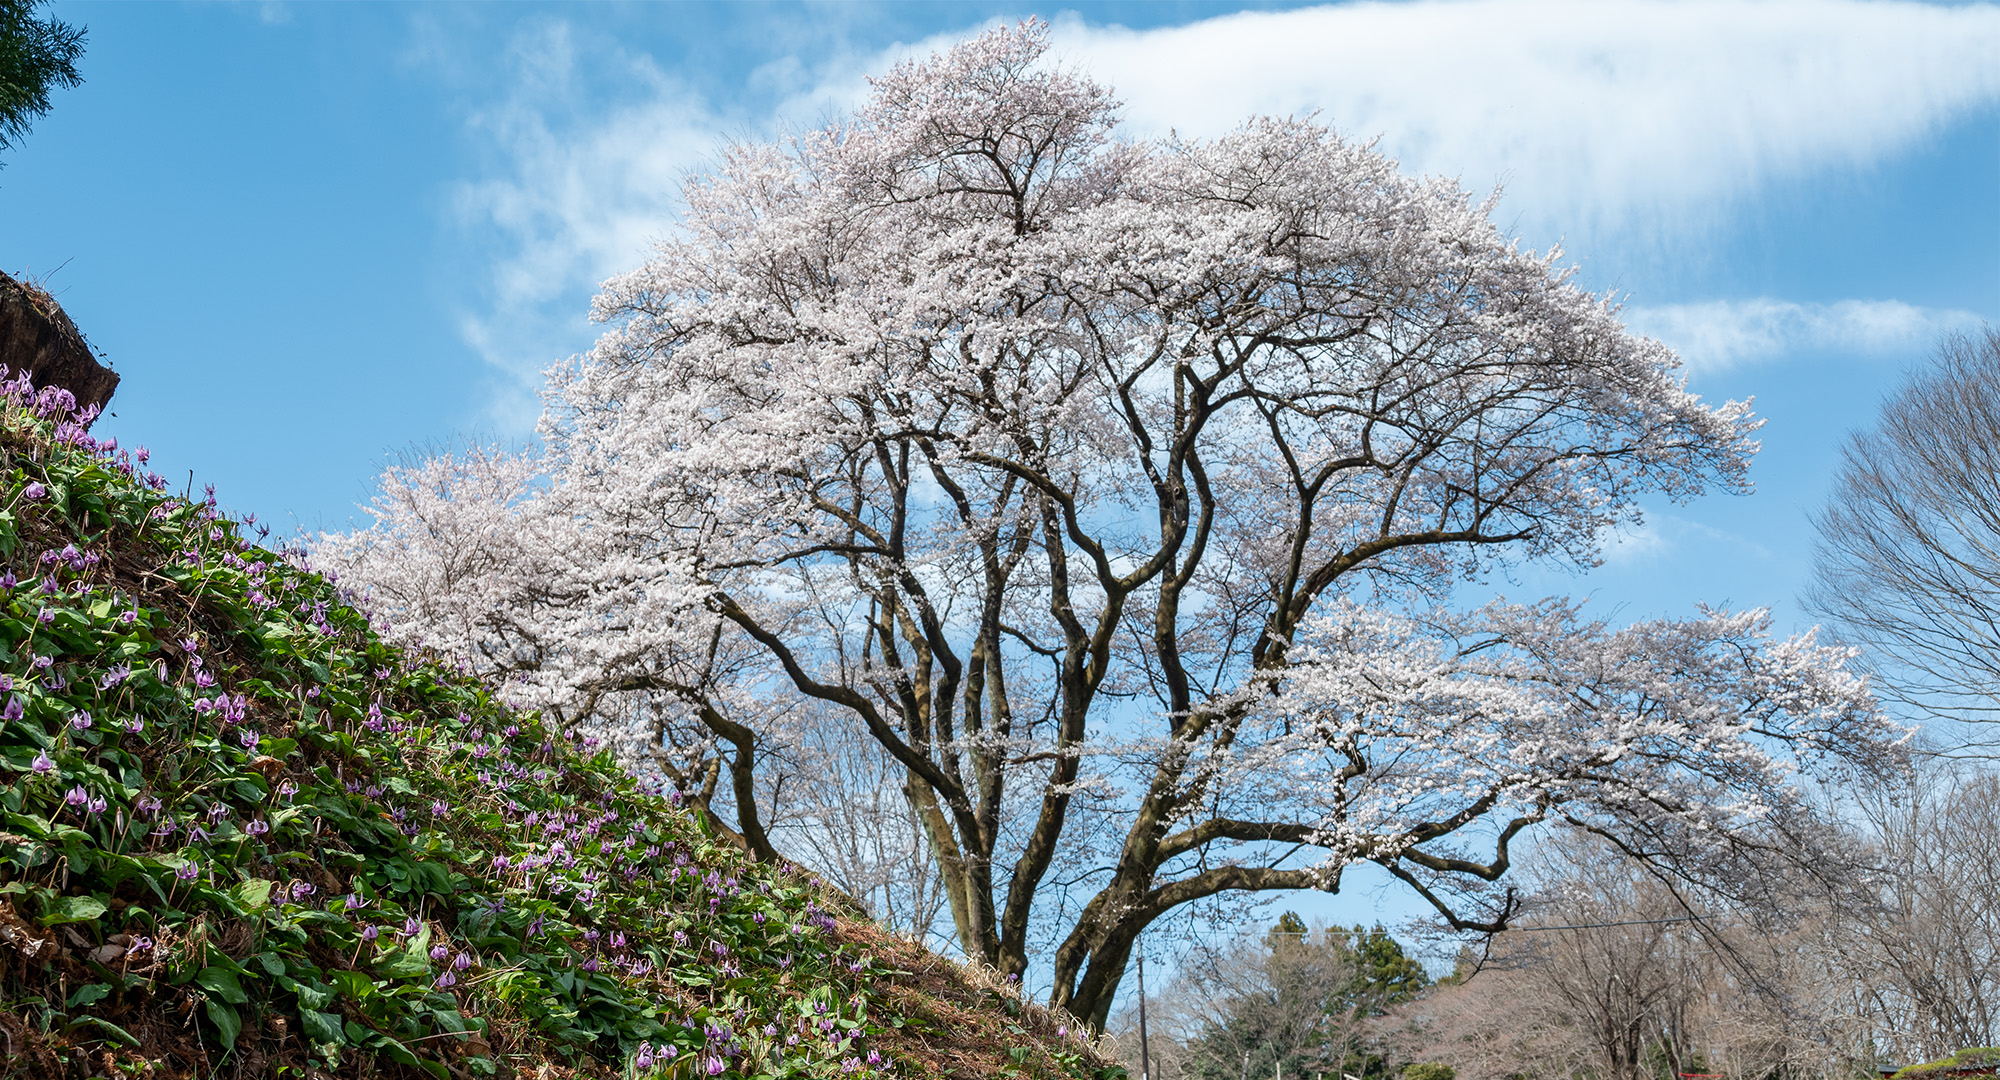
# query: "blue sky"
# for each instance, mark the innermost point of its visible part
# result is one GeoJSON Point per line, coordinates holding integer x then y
{"type": "Point", "coordinates": [312, 237]}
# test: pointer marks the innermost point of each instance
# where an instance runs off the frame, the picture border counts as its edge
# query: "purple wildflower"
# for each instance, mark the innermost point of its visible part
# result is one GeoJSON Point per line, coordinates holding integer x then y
{"type": "Point", "coordinates": [42, 764]}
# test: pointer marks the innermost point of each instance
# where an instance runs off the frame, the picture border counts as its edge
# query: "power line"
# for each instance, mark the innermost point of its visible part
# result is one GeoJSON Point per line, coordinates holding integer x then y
{"type": "Point", "coordinates": [1603, 925]}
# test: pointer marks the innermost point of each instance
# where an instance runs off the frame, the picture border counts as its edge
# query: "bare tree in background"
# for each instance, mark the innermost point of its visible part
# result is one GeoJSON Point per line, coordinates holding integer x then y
{"type": "Point", "coordinates": [1908, 563]}
{"type": "Point", "coordinates": [839, 807]}
{"type": "Point", "coordinates": [1615, 976]}
{"type": "Point", "coordinates": [1924, 957]}
{"type": "Point", "coordinates": [1900, 967]}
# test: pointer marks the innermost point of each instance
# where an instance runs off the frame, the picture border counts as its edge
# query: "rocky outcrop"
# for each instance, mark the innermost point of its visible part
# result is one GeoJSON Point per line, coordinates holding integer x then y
{"type": "Point", "coordinates": [36, 337]}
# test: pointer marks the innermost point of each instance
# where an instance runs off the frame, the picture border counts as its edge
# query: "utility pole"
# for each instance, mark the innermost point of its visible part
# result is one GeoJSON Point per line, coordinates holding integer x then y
{"type": "Point", "coordinates": [1145, 1058]}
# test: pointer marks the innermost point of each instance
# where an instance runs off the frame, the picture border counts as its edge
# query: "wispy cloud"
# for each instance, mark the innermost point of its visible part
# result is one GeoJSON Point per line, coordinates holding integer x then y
{"type": "Point", "coordinates": [1596, 114]}
{"type": "Point", "coordinates": [1664, 536]}
{"type": "Point", "coordinates": [591, 143]}
{"type": "Point", "coordinates": [582, 185]}
{"type": "Point", "coordinates": [1719, 334]}
{"type": "Point", "coordinates": [1601, 116]}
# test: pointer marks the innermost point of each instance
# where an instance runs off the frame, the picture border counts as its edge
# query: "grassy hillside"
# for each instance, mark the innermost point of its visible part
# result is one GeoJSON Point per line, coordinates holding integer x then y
{"type": "Point", "coordinates": [242, 837]}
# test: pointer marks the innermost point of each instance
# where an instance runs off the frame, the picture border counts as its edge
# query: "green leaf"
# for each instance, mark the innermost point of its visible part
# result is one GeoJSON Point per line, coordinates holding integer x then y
{"type": "Point", "coordinates": [222, 983]}
{"type": "Point", "coordinates": [313, 996]}
{"type": "Point", "coordinates": [450, 1020]}
{"type": "Point", "coordinates": [217, 958]}
{"type": "Point", "coordinates": [71, 909]}
{"type": "Point", "coordinates": [397, 1052]}
{"type": "Point", "coordinates": [431, 878]}
{"type": "Point", "coordinates": [227, 1023]}
{"type": "Point", "coordinates": [353, 984]}
{"type": "Point", "coordinates": [253, 895]}
{"type": "Point", "coordinates": [88, 995]}
{"type": "Point", "coordinates": [117, 1032]}
{"type": "Point", "coordinates": [323, 1027]}
{"type": "Point", "coordinates": [407, 962]}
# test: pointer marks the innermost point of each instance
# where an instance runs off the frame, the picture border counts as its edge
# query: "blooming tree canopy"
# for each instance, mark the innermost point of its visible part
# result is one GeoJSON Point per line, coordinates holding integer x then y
{"type": "Point", "coordinates": [1118, 490]}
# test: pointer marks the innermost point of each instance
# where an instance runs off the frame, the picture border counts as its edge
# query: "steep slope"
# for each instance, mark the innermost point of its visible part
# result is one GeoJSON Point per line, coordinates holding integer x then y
{"type": "Point", "coordinates": [242, 837]}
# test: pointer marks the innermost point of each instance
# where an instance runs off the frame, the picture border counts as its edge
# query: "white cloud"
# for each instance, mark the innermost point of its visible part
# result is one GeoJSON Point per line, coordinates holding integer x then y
{"type": "Point", "coordinates": [592, 143]}
{"type": "Point", "coordinates": [1596, 114]}
{"type": "Point", "coordinates": [1602, 117]}
{"type": "Point", "coordinates": [1719, 334]}
{"type": "Point", "coordinates": [1663, 536]}
{"type": "Point", "coordinates": [581, 190]}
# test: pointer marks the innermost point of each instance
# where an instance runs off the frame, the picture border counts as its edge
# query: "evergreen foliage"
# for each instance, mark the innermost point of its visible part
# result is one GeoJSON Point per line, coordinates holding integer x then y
{"type": "Point", "coordinates": [1301, 1021]}
{"type": "Point", "coordinates": [35, 56]}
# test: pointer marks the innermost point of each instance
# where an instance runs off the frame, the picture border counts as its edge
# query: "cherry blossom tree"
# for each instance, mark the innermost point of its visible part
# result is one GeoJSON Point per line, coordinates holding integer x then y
{"type": "Point", "coordinates": [1118, 490]}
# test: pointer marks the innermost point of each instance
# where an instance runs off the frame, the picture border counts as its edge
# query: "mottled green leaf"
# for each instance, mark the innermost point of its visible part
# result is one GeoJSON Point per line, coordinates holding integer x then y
{"type": "Point", "coordinates": [322, 1027]}
{"type": "Point", "coordinates": [71, 909]}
